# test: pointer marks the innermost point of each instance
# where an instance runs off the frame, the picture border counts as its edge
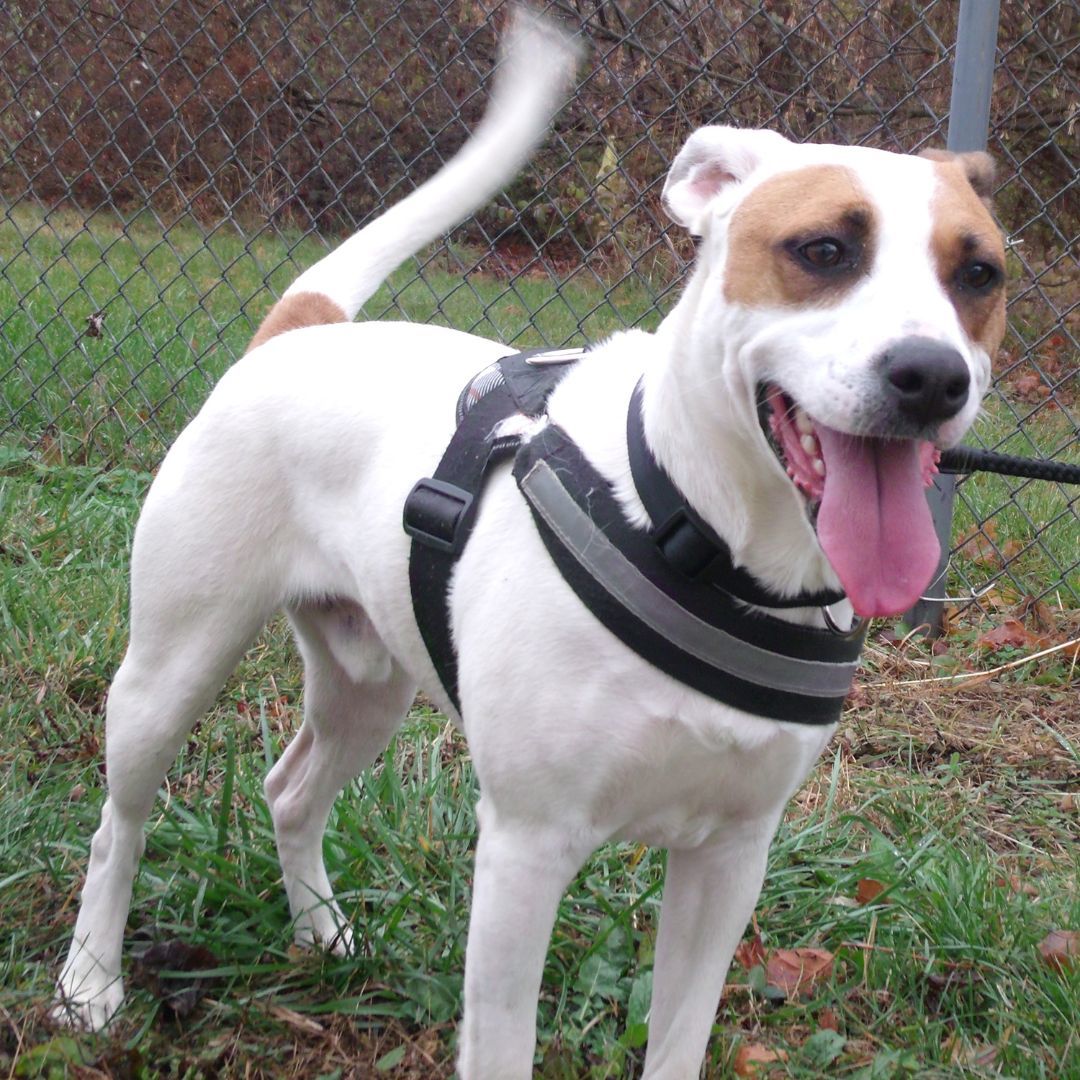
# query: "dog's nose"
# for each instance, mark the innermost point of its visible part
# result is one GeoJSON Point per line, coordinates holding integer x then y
{"type": "Point", "coordinates": [928, 380]}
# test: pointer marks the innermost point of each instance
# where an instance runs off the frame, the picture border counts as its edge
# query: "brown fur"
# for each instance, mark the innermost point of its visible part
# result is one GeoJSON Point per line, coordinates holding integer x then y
{"type": "Point", "coordinates": [294, 312]}
{"type": "Point", "coordinates": [978, 166]}
{"type": "Point", "coordinates": [964, 231]}
{"type": "Point", "coordinates": [819, 201]}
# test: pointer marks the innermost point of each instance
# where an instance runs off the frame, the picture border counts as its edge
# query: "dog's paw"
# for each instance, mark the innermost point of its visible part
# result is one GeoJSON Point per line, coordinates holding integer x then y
{"type": "Point", "coordinates": [85, 1011]}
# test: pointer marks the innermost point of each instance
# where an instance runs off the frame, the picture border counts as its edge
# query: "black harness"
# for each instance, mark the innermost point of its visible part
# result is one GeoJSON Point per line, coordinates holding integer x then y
{"type": "Point", "coordinates": [672, 594]}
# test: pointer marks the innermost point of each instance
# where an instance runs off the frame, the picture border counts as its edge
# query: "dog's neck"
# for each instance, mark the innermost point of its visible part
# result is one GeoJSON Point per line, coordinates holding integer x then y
{"type": "Point", "coordinates": [702, 427]}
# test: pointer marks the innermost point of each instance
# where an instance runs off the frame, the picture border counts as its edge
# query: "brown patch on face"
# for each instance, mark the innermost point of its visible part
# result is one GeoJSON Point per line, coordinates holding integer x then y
{"type": "Point", "coordinates": [771, 234]}
{"type": "Point", "coordinates": [969, 254]}
{"type": "Point", "coordinates": [295, 312]}
{"type": "Point", "coordinates": [978, 166]}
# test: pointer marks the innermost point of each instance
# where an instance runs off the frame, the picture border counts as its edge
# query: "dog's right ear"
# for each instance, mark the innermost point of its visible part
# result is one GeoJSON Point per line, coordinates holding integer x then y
{"type": "Point", "coordinates": [713, 158]}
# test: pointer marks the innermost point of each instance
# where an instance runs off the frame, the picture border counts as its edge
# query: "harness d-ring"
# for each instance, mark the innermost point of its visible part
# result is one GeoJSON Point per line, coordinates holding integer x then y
{"type": "Point", "coordinates": [855, 629]}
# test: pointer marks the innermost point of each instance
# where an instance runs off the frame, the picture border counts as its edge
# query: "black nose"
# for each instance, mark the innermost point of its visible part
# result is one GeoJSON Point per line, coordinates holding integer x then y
{"type": "Point", "coordinates": [928, 381]}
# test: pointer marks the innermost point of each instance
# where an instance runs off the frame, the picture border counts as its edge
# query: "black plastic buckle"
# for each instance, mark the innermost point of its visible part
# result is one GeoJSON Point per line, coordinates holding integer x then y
{"type": "Point", "coordinates": [438, 515]}
{"type": "Point", "coordinates": [684, 544]}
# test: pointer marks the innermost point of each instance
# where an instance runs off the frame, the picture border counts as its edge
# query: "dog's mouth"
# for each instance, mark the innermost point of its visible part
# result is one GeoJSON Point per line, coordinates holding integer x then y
{"type": "Point", "coordinates": [865, 496]}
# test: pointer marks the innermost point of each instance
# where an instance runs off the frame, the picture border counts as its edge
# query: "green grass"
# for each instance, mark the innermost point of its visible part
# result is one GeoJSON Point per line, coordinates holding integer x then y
{"type": "Point", "coordinates": [956, 799]}
{"type": "Point", "coordinates": [949, 802]}
{"type": "Point", "coordinates": [179, 304]}
{"type": "Point", "coordinates": [1036, 528]}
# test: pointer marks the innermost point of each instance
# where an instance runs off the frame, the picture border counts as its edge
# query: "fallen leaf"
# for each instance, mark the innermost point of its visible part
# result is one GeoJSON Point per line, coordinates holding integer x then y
{"type": "Point", "coordinates": [868, 890]}
{"type": "Point", "coordinates": [827, 1019]}
{"type": "Point", "coordinates": [1039, 613]}
{"type": "Point", "coordinates": [1067, 803]}
{"type": "Point", "coordinates": [1018, 885]}
{"type": "Point", "coordinates": [750, 953]}
{"type": "Point", "coordinates": [1060, 949]}
{"type": "Point", "coordinates": [956, 976]}
{"type": "Point", "coordinates": [178, 996]}
{"type": "Point", "coordinates": [751, 1057]}
{"type": "Point", "coordinates": [795, 971]}
{"type": "Point", "coordinates": [1012, 633]}
{"type": "Point", "coordinates": [979, 546]}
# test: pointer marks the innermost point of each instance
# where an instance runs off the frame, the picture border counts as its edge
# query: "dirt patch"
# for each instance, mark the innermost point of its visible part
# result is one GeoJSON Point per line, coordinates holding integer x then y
{"type": "Point", "coordinates": [922, 725]}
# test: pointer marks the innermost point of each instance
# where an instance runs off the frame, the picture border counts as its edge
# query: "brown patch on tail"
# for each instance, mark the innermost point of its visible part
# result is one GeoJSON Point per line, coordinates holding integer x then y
{"type": "Point", "coordinates": [295, 312]}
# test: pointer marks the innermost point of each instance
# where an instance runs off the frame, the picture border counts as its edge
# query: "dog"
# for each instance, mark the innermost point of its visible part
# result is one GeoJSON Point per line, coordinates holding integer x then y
{"type": "Point", "coordinates": [836, 330]}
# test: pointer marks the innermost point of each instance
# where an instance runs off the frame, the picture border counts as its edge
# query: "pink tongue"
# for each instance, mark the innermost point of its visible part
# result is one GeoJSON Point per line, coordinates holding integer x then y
{"type": "Point", "coordinates": [874, 523]}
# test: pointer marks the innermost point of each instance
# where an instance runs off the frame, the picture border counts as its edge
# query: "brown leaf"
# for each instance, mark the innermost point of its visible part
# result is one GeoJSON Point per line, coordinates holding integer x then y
{"type": "Point", "coordinates": [1039, 613]}
{"type": "Point", "coordinates": [1018, 885]}
{"type": "Point", "coordinates": [868, 890]}
{"type": "Point", "coordinates": [751, 1058]}
{"type": "Point", "coordinates": [828, 1020]}
{"type": "Point", "coordinates": [750, 953]}
{"type": "Point", "coordinates": [1060, 949]}
{"type": "Point", "coordinates": [1012, 633]}
{"type": "Point", "coordinates": [979, 547]}
{"type": "Point", "coordinates": [178, 996]}
{"type": "Point", "coordinates": [795, 971]}
{"type": "Point", "coordinates": [981, 1055]}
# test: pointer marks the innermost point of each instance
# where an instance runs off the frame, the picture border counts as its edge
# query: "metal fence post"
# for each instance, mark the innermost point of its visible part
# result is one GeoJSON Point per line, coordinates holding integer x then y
{"type": "Point", "coordinates": [969, 122]}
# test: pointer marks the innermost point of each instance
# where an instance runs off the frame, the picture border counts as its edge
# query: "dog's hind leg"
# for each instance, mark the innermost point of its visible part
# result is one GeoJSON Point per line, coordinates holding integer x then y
{"type": "Point", "coordinates": [355, 697]}
{"type": "Point", "coordinates": [709, 896]}
{"type": "Point", "coordinates": [178, 658]}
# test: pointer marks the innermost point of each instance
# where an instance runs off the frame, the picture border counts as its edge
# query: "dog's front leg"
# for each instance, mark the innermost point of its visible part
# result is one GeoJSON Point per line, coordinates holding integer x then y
{"type": "Point", "coordinates": [521, 873]}
{"type": "Point", "coordinates": [709, 896]}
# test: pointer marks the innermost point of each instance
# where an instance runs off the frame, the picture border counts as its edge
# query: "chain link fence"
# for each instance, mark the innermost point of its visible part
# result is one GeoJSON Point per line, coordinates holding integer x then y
{"type": "Point", "coordinates": [168, 167]}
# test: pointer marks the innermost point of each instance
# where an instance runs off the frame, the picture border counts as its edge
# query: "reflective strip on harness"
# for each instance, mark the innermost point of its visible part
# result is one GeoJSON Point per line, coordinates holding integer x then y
{"type": "Point", "coordinates": [684, 630]}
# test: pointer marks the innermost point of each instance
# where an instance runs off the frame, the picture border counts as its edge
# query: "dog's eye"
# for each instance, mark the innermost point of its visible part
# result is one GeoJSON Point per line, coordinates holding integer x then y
{"type": "Point", "coordinates": [978, 276]}
{"type": "Point", "coordinates": [823, 254]}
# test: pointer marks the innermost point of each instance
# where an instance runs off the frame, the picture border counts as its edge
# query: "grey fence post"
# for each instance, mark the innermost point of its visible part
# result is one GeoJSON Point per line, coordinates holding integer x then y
{"type": "Point", "coordinates": [969, 122]}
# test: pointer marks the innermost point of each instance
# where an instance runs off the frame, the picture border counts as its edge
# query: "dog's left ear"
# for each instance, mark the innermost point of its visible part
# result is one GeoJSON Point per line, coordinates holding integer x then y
{"type": "Point", "coordinates": [713, 158]}
{"type": "Point", "coordinates": [979, 168]}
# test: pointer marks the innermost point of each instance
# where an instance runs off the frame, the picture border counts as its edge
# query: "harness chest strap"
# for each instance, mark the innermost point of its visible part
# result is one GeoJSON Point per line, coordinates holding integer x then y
{"type": "Point", "coordinates": [691, 629]}
{"type": "Point", "coordinates": [693, 632]}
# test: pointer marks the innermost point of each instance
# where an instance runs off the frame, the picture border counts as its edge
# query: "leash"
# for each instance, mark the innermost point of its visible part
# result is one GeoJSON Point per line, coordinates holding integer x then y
{"type": "Point", "coordinates": [969, 459]}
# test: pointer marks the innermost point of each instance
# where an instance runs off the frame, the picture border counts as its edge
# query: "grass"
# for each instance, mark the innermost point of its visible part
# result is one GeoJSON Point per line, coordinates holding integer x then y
{"type": "Point", "coordinates": [178, 306]}
{"type": "Point", "coordinates": [959, 799]}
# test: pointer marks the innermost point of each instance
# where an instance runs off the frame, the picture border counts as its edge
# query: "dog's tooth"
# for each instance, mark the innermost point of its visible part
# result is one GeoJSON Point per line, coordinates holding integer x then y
{"type": "Point", "coordinates": [809, 444]}
{"type": "Point", "coordinates": [803, 423]}
{"type": "Point", "coordinates": [819, 466]}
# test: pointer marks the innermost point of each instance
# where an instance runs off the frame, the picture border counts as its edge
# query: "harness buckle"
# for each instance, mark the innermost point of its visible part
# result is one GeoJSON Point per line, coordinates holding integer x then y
{"type": "Point", "coordinates": [438, 515]}
{"type": "Point", "coordinates": [684, 545]}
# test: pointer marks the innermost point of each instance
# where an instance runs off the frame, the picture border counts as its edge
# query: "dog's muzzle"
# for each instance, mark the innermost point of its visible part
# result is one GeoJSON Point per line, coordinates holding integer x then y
{"type": "Point", "coordinates": [925, 381]}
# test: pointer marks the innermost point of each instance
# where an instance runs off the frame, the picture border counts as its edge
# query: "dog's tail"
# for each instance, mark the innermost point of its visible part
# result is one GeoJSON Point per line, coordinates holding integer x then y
{"type": "Point", "coordinates": [536, 66]}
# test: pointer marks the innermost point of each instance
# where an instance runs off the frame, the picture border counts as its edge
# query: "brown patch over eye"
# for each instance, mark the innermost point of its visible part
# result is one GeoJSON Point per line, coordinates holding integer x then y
{"type": "Point", "coordinates": [825, 248]}
{"type": "Point", "coordinates": [969, 256]}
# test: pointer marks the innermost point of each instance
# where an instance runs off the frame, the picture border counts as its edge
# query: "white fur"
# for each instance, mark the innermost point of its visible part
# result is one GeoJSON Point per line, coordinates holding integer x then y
{"type": "Point", "coordinates": [286, 491]}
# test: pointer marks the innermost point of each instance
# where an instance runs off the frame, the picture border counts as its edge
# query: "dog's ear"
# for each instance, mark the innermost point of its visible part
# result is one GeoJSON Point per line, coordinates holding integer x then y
{"type": "Point", "coordinates": [979, 168]}
{"type": "Point", "coordinates": [713, 158]}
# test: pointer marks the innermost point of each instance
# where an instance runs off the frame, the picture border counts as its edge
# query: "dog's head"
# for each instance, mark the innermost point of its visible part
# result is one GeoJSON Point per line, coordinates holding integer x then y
{"type": "Point", "coordinates": [853, 299]}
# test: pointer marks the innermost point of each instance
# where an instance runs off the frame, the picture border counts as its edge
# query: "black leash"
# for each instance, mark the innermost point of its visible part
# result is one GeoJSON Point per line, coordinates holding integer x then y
{"type": "Point", "coordinates": [968, 459]}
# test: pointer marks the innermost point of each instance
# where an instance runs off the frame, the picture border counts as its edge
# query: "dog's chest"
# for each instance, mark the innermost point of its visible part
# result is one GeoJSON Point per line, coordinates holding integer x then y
{"type": "Point", "coordinates": [712, 775]}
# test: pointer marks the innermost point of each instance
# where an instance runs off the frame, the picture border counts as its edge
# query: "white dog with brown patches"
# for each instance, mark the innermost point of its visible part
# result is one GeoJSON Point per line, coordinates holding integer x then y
{"type": "Point", "coordinates": [838, 327]}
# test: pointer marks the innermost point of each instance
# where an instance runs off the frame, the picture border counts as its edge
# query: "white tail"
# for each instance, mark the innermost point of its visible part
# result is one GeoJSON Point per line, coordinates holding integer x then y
{"type": "Point", "coordinates": [537, 63]}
